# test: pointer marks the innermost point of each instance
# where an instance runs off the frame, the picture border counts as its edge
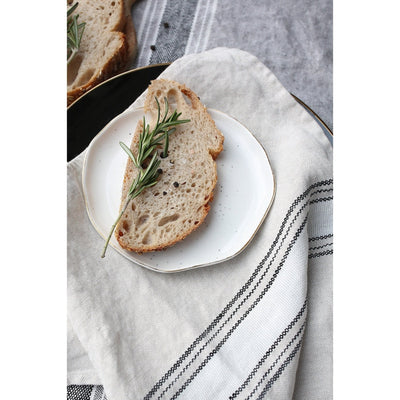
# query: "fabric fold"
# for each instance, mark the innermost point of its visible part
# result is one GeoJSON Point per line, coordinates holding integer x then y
{"type": "Point", "coordinates": [256, 326]}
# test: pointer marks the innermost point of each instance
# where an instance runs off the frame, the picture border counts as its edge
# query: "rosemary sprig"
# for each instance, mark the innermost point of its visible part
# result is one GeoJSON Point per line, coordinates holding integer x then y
{"type": "Point", "coordinates": [74, 33]}
{"type": "Point", "coordinates": [149, 140]}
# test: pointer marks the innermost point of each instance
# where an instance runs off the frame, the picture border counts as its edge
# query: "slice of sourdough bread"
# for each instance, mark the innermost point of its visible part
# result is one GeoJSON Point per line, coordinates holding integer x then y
{"type": "Point", "coordinates": [166, 213]}
{"type": "Point", "coordinates": [108, 44]}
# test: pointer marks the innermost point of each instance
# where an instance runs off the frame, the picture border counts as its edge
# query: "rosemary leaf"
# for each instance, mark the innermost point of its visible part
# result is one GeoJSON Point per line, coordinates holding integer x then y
{"type": "Point", "coordinates": [74, 33]}
{"type": "Point", "coordinates": [166, 143]}
{"type": "Point", "coordinates": [128, 151]}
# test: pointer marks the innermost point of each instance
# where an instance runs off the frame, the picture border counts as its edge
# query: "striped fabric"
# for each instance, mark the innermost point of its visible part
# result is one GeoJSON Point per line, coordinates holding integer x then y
{"type": "Point", "coordinates": [284, 350]}
{"type": "Point", "coordinates": [294, 38]}
{"type": "Point", "coordinates": [167, 30]}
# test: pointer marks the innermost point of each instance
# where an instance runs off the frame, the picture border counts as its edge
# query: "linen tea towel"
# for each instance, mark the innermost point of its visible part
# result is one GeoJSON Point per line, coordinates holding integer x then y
{"type": "Point", "coordinates": [256, 326]}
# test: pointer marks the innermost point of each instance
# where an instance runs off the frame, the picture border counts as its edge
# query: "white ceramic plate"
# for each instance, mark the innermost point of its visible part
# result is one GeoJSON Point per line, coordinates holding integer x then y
{"type": "Point", "coordinates": [241, 199]}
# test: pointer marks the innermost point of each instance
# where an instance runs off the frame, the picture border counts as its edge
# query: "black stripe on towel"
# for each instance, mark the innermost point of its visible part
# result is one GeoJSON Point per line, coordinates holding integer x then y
{"type": "Point", "coordinates": [321, 199]}
{"type": "Point", "coordinates": [275, 363]}
{"type": "Point", "coordinates": [271, 349]}
{"type": "Point", "coordinates": [196, 355]}
{"type": "Point", "coordinates": [79, 392]}
{"type": "Point", "coordinates": [308, 192]}
{"type": "Point", "coordinates": [320, 247]}
{"type": "Point", "coordinates": [316, 238]}
{"type": "Point", "coordinates": [321, 254]}
{"type": "Point", "coordinates": [278, 373]}
{"type": "Point", "coordinates": [223, 341]}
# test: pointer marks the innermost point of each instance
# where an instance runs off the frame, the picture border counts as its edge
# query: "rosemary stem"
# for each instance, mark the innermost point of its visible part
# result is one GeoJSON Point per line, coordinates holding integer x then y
{"type": "Point", "coordinates": [72, 55]}
{"type": "Point", "coordinates": [129, 198]}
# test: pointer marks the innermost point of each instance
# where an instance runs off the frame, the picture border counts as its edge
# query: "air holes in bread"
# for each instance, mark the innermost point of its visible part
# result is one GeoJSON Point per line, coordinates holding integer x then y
{"type": "Point", "coordinates": [146, 238]}
{"type": "Point", "coordinates": [125, 225]}
{"type": "Point", "coordinates": [166, 220]}
{"type": "Point", "coordinates": [142, 219]}
{"type": "Point", "coordinates": [189, 100]}
{"type": "Point", "coordinates": [171, 96]}
{"type": "Point", "coordinates": [73, 68]}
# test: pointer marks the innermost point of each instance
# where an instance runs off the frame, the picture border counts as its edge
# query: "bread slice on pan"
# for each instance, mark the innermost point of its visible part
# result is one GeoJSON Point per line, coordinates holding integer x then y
{"type": "Point", "coordinates": [166, 213]}
{"type": "Point", "coordinates": [108, 44]}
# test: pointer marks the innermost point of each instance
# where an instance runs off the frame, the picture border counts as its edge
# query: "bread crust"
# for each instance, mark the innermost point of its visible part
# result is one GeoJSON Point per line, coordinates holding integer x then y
{"type": "Point", "coordinates": [214, 150]}
{"type": "Point", "coordinates": [129, 31]}
{"type": "Point", "coordinates": [111, 67]}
